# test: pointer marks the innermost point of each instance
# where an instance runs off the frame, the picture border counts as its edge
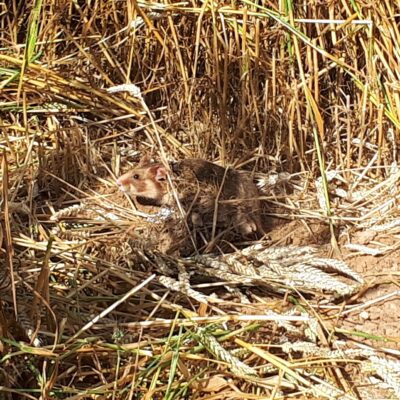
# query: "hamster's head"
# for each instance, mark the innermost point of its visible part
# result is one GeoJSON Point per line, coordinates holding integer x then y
{"type": "Point", "coordinates": [148, 180]}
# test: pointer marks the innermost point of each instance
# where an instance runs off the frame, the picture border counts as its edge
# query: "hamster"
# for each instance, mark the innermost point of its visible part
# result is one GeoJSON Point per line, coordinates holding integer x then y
{"type": "Point", "coordinates": [208, 192]}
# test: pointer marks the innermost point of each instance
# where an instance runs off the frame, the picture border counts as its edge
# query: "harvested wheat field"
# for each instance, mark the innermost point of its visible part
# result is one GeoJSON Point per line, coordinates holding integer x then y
{"type": "Point", "coordinates": [272, 273]}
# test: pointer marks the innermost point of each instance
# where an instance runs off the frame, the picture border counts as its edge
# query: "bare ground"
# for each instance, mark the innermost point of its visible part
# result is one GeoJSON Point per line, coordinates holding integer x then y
{"type": "Point", "coordinates": [379, 302]}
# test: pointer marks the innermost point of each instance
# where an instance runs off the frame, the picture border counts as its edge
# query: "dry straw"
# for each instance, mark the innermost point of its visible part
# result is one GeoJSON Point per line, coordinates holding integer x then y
{"type": "Point", "coordinates": [305, 96]}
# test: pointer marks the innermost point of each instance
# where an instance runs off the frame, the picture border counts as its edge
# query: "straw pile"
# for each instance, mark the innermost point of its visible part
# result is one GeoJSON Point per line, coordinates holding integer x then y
{"type": "Point", "coordinates": [89, 307]}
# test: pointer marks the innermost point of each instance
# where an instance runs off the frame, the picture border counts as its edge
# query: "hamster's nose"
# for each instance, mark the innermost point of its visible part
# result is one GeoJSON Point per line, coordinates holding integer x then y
{"type": "Point", "coordinates": [121, 182]}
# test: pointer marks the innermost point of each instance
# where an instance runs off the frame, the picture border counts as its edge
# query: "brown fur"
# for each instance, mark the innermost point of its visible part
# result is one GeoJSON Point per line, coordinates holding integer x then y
{"type": "Point", "coordinates": [208, 192]}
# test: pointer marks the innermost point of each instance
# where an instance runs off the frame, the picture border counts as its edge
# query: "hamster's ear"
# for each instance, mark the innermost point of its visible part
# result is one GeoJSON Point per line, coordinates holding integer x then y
{"type": "Point", "coordinates": [160, 173]}
{"type": "Point", "coordinates": [146, 159]}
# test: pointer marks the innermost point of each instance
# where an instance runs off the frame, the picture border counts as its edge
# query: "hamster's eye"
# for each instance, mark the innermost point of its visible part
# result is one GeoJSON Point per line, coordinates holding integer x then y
{"type": "Point", "coordinates": [136, 176]}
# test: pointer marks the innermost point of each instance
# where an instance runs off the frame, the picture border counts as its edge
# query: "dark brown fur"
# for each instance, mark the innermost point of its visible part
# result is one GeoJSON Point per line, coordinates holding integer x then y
{"type": "Point", "coordinates": [208, 192]}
